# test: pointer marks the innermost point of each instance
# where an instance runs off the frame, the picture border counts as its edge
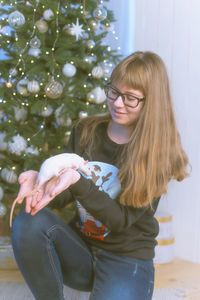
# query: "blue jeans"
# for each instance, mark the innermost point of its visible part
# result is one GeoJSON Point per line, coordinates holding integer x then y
{"type": "Point", "coordinates": [50, 253]}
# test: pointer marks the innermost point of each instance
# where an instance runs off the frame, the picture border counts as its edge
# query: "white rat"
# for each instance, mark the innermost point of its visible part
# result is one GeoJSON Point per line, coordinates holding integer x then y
{"type": "Point", "coordinates": [54, 166]}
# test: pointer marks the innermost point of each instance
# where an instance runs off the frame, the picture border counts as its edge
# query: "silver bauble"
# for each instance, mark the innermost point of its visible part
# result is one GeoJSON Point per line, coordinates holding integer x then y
{"type": "Point", "coordinates": [22, 87]}
{"type": "Point", "coordinates": [3, 210]}
{"type": "Point", "coordinates": [33, 86]}
{"type": "Point", "coordinates": [3, 143]}
{"type": "Point", "coordinates": [90, 44]}
{"type": "Point", "coordinates": [100, 13]}
{"type": "Point", "coordinates": [32, 150]}
{"type": "Point", "coordinates": [35, 42]}
{"type": "Point", "coordinates": [16, 19]}
{"type": "Point", "coordinates": [93, 24]}
{"type": "Point", "coordinates": [53, 89]}
{"type": "Point", "coordinates": [34, 52]}
{"type": "Point", "coordinates": [9, 176]}
{"type": "Point", "coordinates": [47, 111]}
{"type": "Point", "coordinates": [20, 113]}
{"type": "Point", "coordinates": [48, 14]}
{"type": "Point", "coordinates": [1, 193]}
{"type": "Point", "coordinates": [17, 145]}
{"type": "Point", "coordinates": [96, 95]}
{"type": "Point", "coordinates": [83, 114]}
{"type": "Point", "coordinates": [69, 70]}
{"type": "Point", "coordinates": [97, 72]}
{"type": "Point", "coordinates": [42, 26]}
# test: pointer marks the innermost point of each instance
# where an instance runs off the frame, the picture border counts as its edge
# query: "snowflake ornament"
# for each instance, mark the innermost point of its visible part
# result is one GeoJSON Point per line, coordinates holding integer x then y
{"type": "Point", "coordinates": [77, 30]}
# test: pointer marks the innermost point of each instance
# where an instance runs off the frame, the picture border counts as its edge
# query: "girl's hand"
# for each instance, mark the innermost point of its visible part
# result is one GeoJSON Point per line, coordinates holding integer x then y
{"type": "Point", "coordinates": [54, 187]}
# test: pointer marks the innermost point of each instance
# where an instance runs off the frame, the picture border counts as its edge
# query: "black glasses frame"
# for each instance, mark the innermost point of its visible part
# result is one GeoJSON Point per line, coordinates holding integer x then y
{"type": "Point", "coordinates": [118, 93]}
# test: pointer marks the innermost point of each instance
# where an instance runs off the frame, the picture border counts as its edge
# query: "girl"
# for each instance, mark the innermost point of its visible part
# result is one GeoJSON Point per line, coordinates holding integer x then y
{"type": "Point", "coordinates": [133, 152]}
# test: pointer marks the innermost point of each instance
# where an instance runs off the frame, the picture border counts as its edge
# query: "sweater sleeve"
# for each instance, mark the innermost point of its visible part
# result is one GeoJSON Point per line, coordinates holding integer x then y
{"type": "Point", "coordinates": [111, 213]}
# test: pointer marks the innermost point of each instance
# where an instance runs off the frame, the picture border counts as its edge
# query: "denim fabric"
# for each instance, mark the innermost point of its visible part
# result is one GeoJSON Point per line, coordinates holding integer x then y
{"type": "Point", "coordinates": [50, 253]}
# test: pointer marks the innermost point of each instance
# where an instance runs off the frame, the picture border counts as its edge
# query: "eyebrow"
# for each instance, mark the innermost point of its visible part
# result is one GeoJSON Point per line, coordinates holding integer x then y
{"type": "Point", "coordinates": [126, 93]}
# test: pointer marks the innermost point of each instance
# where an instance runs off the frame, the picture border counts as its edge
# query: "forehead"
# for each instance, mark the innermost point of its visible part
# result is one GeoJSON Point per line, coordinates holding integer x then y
{"type": "Point", "coordinates": [123, 88]}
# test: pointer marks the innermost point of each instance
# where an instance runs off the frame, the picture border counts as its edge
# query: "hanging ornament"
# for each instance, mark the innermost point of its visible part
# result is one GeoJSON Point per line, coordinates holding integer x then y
{"type": "Point", "coordinates": [17, 145]}
{"type": "Point", "coordinates": [97, 95]}
{"type": "Point", "coordinates": [1, 193]}
{"type": "Point", "coordinates": [8, 84]}
{"type": "Point", "coordinates": [77, 30]}
{"type": "Point", "coordinates": [22, 87]}
{"type": "Point", "coordinates": [48, 14]}
{"type": "Point", "coordinates": [16, 19]}
{"type": "Point", "coordinates": [89, 59]}
{"type": "Point", "coordinates": [61, 119]}
{"type": "Point", "coordinates": [42, 26]}
{"type": "Point", "coordinates": [83, 114]}
{"type": "Point", "coordinates": [100, 13]}
{"type": "Point", "coordinates": [32, 150]}
{"type": "Point", "coordinates": [20, 113]}
{"type": "Point", "coordinates": [66, 137]}
{"type": "Point", "coordinates": [53, 89]}
{"type": "Point", "coordinates": [90, 44]}
{"type": "Point", "coordinates": [13, 72]}
{"type": "Point", "coordinates": [107, 67]}
{"type": "Point", "coordinates": [33, 86]}
{"type": "Point", "coordinates": [35, 42]}
{"type": "Point", "coordinates": [97, 72]}
{"type": "Point", "coordinates": [34, 52]}
{"type": "Point", "coordinates": [47, 111]}
{"type": "Point", "coordinates": [9, 175]}
{"type": "Point", "coordinates": [3, 143]}
{"type": "Point", "coordinates": [3, 210]}
{"type": "Point", "coordinates": [93, 24]}
{"type": "Point", "coordinates": [69, 70]}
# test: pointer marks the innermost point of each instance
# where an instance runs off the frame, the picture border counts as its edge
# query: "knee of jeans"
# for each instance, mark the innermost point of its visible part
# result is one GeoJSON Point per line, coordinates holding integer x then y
{"type": "Point", "coordinates": [26, 226]}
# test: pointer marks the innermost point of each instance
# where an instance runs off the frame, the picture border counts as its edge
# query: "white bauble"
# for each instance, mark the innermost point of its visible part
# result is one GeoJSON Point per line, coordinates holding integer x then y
{"type": "Point", "coordinates": [97, 72]}
{"type": "Point", "coordinates": [42, 26]}
{"type": "Point", "coordinates": [61, 119]}
{"type": "Point", "coordinates": [20, 113]}
{"type": "Point", "coordinates": [34, 52]}
{"type": "Point", "coordinates": [97, 95]}
{"type": "Point", "coordinates": [22, 87]}
{"type": "Point", "coordinates": [1, 193]}
{"type": "Point", "coordinates": [48, 14]}
{"type": "Point", "coordinates": [33, 86]}
{"type": "Point", "coordinates": [83, 114]}
{"type": "Point", "coordinates": [32, 150]}
{"type": "Point", "coordinates": [17, 145]}
{"type": "Point", "coordinates": [69, 70]}
{"type": "Point", "coordinates": [3, 143]}
{"type": "Point", "coordinates": [47, 111]}
{"type": "Point", "coordinates": [9, 175]}
{"type": "Point", "coordinates": [3, 210]}
{"type": "Point", "coordinates": [90, 44]}
{"type": "Point", "coordinates": [35, 42]}
{"type": "Point", "coordinates": [16, 19]}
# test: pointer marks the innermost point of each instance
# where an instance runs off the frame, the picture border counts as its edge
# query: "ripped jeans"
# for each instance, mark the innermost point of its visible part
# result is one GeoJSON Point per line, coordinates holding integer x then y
{"type": "Point", "coordinates": [50, 253]}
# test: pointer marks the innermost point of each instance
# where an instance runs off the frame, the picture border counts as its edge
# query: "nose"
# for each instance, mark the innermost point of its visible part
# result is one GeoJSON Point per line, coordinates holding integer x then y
{"type": "Point", "coordinates": [119, 102]}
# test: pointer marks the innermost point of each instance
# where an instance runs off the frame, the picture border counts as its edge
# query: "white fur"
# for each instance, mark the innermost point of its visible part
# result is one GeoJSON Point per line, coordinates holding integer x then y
{"type": "Point", "coordinates": [54, 165]}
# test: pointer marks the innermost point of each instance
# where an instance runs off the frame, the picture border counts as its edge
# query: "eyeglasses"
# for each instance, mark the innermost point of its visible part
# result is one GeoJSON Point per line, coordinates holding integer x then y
{"type": "Point", "coordinates": [128, 99]}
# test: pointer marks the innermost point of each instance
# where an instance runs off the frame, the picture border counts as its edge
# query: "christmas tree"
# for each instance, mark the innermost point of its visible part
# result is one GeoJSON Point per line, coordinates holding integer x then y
{"type": "Point", "coordinates": [56, 68]}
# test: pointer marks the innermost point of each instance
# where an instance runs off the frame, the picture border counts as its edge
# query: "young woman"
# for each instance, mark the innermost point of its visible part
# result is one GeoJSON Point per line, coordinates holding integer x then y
{"type": "Point", "coordinates": [133, 152]}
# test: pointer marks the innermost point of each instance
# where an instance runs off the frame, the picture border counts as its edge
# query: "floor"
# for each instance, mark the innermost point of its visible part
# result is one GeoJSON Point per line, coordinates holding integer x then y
{"type": "Point", "coordinates": [179, 278]}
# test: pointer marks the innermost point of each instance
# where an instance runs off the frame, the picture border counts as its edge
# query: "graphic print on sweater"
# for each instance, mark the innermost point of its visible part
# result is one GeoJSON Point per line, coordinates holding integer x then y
{"type": "Point", "coordinates": [105, 178]}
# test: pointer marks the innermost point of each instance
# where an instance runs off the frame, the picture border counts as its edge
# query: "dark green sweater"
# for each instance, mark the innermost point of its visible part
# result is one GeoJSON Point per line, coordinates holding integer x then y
{"type": "Point", "coordinates": [101, 220]}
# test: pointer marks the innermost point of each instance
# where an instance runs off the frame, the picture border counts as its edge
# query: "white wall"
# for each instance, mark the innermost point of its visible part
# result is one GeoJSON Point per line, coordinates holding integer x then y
{"type": "Point", "coordinates": [172, 29]}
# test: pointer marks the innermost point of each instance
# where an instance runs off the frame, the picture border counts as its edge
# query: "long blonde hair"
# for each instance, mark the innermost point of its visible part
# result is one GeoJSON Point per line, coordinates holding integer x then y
{"type": "Point", "coordinates": [154, 154]}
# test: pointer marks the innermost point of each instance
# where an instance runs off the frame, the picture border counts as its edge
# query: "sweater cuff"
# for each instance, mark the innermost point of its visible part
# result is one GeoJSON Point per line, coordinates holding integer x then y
{"type": "Point", "coordinates": [81, 188]}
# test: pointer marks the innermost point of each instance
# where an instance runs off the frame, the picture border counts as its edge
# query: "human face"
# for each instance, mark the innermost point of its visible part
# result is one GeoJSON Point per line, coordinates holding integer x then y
{"type": "Point", "coordinates": [122, 114]}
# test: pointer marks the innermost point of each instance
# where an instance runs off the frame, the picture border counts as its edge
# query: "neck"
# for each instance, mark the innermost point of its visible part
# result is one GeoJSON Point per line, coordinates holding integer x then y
{"type": "Point", "coordinates": [118, 133]}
